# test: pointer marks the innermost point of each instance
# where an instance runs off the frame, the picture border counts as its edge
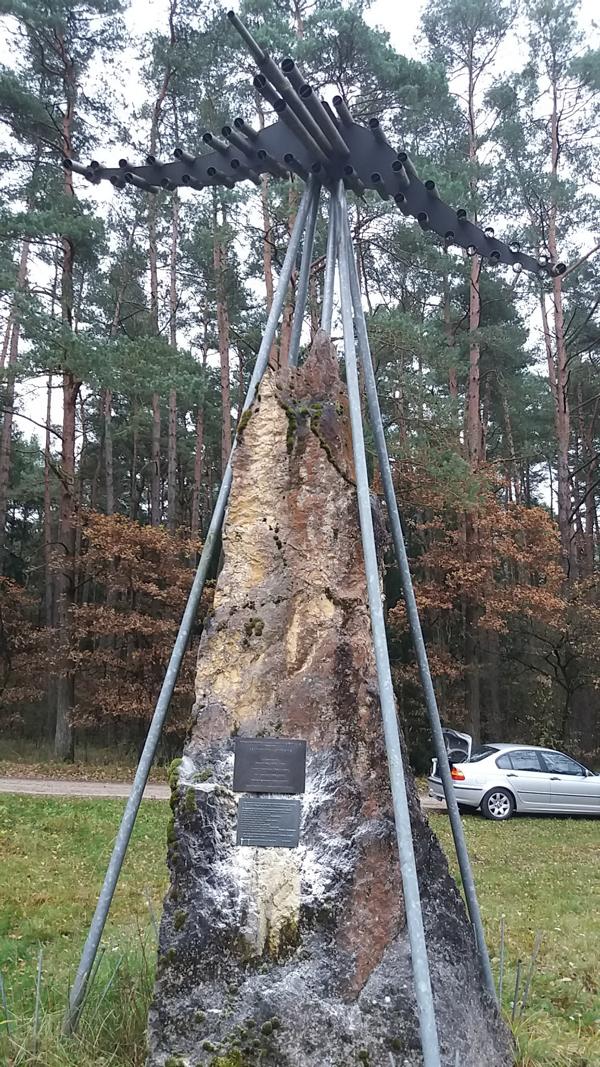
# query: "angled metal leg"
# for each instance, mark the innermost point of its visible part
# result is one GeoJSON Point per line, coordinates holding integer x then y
{"type": "Point", "coordinates": [408, 867]}
{"type": "Point", "coordinates": [330, 261]}
{"type": "Point", "coordinates": [413, 617]}
{"type": "Point", "coordinates": [304, 276]}
{"type": "Point", "coordinates": [162, 705]}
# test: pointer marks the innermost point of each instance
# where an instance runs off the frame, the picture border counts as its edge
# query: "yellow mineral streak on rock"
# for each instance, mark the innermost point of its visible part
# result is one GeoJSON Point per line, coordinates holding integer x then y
{"type": "Point", "coordinates": [276, 897]}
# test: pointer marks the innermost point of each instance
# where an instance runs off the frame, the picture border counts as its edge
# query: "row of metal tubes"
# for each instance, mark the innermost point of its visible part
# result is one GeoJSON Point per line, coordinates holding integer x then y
{"type": "Point", "coordinates": [120, 846]}
{"type": "Point", "coordinates": [378, 431]}
{"type": "Point", "coordinates": [408, 866]}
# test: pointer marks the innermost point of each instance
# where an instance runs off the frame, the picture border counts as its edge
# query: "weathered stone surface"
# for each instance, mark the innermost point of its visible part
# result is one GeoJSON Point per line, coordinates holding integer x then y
{"type": "Point", "coordinates": [300, 957]}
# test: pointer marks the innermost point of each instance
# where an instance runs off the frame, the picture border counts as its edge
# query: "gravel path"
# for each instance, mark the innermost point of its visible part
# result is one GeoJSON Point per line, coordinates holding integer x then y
{"type": "Point", "coordinates": [56, 787]}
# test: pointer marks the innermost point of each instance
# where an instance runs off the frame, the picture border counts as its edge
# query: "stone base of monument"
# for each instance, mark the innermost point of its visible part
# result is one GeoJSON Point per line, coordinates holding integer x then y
{"type": "Point", "coordinates": [275, 953]}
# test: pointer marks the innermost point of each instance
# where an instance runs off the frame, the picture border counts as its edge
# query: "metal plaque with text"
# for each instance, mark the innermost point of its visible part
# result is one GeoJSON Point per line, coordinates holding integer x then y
{"type": "Point", "coordinates": [269, 765]}
{"type": "Point", "coordinates": [268, 822]}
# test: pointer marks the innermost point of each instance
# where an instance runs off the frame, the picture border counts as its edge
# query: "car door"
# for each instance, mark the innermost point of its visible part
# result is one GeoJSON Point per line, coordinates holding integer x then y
{"type": "Point", "coordinates": [529, 779]}
{"type": "Point", "coordinates": [572, 788]}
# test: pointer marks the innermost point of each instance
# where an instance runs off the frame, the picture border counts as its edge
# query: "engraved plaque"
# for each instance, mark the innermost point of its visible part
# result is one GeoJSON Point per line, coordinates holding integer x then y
{"type": "Point", "coordinates": [269, 765]}
{"type": "Point", "coordinates": [268, 822]}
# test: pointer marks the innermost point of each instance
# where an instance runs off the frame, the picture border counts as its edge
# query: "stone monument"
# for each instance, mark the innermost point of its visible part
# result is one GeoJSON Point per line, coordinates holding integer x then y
{"type": "Point", "coordinates": [291, 950]}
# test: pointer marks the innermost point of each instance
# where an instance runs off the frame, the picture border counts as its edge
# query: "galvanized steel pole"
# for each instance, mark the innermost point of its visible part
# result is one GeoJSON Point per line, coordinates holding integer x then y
{"type": "Point", "coordinates": [304, 276]}
{"type": "Point", "coordinates": [330, 261]}
{"type": "Point", "coordinates": [413, 617]}
{"type": "Point", "coordinates": [162, 705]}
{"type": "Point", "coordinates": [408, 867]}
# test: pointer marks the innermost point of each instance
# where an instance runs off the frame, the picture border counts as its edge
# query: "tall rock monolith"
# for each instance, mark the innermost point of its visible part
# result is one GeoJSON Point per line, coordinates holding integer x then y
{"type": "Point", "coordinates": [299, 957]}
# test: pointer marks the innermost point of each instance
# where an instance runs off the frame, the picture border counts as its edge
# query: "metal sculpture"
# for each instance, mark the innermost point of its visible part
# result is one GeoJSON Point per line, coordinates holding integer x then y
{"type": "Point", "coordinates": [310, 138]}
{"type": "Point", "coordinates": [325, 148]}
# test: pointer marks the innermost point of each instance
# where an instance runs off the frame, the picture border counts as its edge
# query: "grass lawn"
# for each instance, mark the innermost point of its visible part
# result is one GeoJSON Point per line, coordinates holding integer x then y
{"type": "Point", "coordinates": [539, 873]}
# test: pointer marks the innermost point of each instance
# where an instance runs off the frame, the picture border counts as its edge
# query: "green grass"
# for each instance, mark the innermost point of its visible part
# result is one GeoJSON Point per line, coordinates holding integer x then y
{"type": "Point", "coordinates": [54, 855]}
{"type": "Point", "coordinates": [539, 873]}
{"type": "Point", "coordinates": [543, 874]}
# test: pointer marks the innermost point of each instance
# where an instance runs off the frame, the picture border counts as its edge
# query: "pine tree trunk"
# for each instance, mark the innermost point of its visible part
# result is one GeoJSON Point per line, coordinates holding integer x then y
{"type": "Point", "coordinates": [155, 480]}
{"type": "Point", "coordinates": [133, 486]}
{"type": "Point", "coordinates": [223, 333]}
{"type": "Point", "coordinates": [48, 599]}
{"type": "Point", "coordinates": [108, 453]}
{"type": "Point", "coordinates": [172, 463]}
{"type": "Point", "coordinates": [64, 740]}
{"type": "Point", "coordinates": [9, 396]}
{"type": "Point", "coordinates": [172, 441]}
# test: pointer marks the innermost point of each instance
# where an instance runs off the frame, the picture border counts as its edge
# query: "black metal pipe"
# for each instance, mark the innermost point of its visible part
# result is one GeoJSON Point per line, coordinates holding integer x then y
{"type": "Point", "coordinates": [423, 220]}
{"type": "Point", "coordinates": [432, 188]}
{"type": "Point", "coordinates": [244, 128]}
{"type": "Point", "coordinates": [220, 178]}
{"type": "Point", "coordinates": [342, 110]}
{"type": "Point", "coordinates": [270, 72]}
{"type": "Point", "coordinates": [399, 171]}
{"type": "Point", "coordinates": [379, 185]}
{"type": "Point", "coordinates": [292, 73]}
{"type": "Point", "coordinates": [140, 183]}
{"type": "Point", "coordinates": [119, 183]}
{"type": "Point", "coordinates": [237, 141]}
{"type": "Point", "coordinates": [243, 169]}
{"type": "Point", "coordinates": [193, 183]}
{"type": "Point", "coordinates": [184, 156]}
{"type": "Point", "coordinates": [290, 119]}
{"type": "Point", "coordinates": [70, 164]}
{"type": "Point", "coordinates": [318, 112]}
{"type": "Point", "coordinates": [401, 202]}
{"type": "Point", "coordinates": [247, 37]}
{"type": "Point", "coordinates": [352, 180]}
{"type": "Point", "coordinates": [378, 134]}
{"type": "Point", "coordinates": [271, 166]}
{"type": "Point", "coordinates": [408, 166]}
{"type": "Point", "coordinates": [216, 143]}
{"type": "Point", "coordinates": [296, 166]}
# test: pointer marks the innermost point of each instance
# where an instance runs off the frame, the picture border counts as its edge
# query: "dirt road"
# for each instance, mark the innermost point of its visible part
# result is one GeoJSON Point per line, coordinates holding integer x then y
{"type": "Point", "coordinates": [56, 787]}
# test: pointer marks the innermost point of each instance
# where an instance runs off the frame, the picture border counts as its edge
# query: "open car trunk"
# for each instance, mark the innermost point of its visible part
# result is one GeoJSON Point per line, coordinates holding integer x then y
{"type": "Point", "coordinates": [458, 747]}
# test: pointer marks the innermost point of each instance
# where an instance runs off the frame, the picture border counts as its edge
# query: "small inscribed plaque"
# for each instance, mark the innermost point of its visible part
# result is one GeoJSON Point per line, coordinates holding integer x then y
{"type": "Point", "coordinates": [269, 765]}
{"type": "Point", "coordinates": [268, 822]}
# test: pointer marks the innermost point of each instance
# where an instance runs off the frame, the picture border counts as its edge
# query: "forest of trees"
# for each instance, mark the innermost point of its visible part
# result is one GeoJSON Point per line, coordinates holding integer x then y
{"type": "Point", "coordinates": [141, 317]}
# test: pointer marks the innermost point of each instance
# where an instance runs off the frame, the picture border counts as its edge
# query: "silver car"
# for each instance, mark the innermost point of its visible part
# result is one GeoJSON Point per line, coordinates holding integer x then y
{"type": "Point", "coordinates": [502, 779]}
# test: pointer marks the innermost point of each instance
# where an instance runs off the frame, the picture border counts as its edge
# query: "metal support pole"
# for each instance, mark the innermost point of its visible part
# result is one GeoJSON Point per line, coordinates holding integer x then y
{"type": "Point", "coordinates": [408, 867]}
{"type": "Point", "coordinates": [330, 260]}
{"type": "Point", "coordinates": [162, 705]}
{"type": "Point", "coordinates": [413, 616]}
{"type": "Point", "coordinates": [304, 276]}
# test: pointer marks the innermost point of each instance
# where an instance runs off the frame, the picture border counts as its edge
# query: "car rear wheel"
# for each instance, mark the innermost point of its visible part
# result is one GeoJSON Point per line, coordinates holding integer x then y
{"type": "Point", "coordinates": [498, 805]}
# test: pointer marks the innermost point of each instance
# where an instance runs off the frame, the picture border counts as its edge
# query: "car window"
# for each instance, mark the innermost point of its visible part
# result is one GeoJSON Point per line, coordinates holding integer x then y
{"type": "Point", "coordinates": [482, 753]}
{"type": "Point", "coordinates": [504, 761]}
{"type": "Point", "coordinates": [558, 763]}
{"type": "Point", "coordinates": [525, 759]}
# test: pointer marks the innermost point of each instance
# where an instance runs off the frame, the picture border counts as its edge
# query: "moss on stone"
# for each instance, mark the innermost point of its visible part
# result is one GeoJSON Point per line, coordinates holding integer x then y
{"type": "Point", "coordinates": [189, 803]}
{"type": "Point", "coordinates": [200, 1017]}
{"type": "Point", "coordinates": [363, 1057]}
{"type": "Point", "coordinates": [235, 1058]}
{"type": "Point", "coordinates": [174, 1061]}
{"type": "Point", "coordinates": [244, 420]}
{"type": "Point", "coordinates": [173, 772]}
{"type": "Point", "coordinates": [179, 918]}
